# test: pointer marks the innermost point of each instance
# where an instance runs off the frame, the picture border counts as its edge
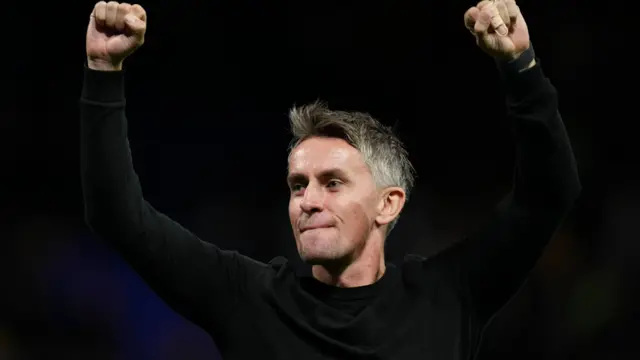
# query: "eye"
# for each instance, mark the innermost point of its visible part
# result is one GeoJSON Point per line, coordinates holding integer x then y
{"type": "Point", "coordinates": [296, 187]}
{"type": "Point", "coordinates": [333, 183]}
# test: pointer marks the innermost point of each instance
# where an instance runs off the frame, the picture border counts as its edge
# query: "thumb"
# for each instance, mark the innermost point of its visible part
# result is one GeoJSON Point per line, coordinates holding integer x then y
{"type": "Point", "coordinates": [92, 20]}
{"type": "Point", "coordinates": [137, 26]}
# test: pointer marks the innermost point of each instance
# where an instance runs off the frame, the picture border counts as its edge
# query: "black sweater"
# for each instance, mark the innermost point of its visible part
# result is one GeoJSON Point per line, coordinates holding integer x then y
{"type": "Point", "coordinates": [423, 308]}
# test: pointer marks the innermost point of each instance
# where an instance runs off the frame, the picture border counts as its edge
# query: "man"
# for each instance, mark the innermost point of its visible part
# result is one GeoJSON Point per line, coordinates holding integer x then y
{"type": "Point", "coordinates": [349, 179]}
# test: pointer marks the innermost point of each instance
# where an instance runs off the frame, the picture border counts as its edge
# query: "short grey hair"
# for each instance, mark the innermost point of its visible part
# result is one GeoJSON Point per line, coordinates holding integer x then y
{"type": "Point", "coordinates": [383, 152]}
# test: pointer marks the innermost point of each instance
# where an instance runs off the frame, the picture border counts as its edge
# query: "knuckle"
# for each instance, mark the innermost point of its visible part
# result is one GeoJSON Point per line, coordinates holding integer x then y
{"type": "Point", "coordinates": [124, 8]}
{"type": "Point", "coordinates": [483, 3]}
{"type": "Point", "coordinates": [485, 17]}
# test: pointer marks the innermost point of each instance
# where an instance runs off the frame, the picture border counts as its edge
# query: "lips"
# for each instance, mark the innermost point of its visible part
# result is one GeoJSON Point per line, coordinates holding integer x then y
{"type": "Point", "coordinates": [314, 227]}
{"type": "Point", "coordinates": [321, 220]}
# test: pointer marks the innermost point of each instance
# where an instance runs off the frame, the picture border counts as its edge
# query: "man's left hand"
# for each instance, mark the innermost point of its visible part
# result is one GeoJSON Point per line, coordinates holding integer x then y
{"type": "Point", "coordinates": [499, 28]}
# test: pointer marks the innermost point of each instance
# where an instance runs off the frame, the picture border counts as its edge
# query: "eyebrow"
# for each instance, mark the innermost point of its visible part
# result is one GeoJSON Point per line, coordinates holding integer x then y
{"type": "Point", "coordinates": [328, 173]}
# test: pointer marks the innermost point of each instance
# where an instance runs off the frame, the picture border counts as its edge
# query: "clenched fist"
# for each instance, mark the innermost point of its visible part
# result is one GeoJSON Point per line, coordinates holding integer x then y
{"type": "Point", "coordinates": [115, 31]}
{"type": "Point", "coordinates": [499, 28]}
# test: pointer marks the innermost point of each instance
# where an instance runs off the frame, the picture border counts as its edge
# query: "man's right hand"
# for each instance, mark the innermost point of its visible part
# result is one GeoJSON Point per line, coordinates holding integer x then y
{"type": "Point", "coordinates": [115, 31]}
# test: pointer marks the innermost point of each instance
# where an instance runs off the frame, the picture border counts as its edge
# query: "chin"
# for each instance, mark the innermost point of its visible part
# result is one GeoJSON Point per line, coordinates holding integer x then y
{"type": "Point", "coordinates": [316, 256]}
{"type": "Point", "coordinates": [316, 249]}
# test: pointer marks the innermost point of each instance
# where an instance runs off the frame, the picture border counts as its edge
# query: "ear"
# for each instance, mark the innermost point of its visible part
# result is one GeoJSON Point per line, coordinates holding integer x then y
{"type": "Point", "coordinates": [390, 205]}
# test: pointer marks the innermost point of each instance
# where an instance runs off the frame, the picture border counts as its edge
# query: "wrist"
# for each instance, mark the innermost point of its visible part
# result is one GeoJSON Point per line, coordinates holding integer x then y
{"type": "Point", "coordinates": [103, 65]}
{"type": "Point", "coordinates": [525, 59]}
{"type": "Point", "coordinates": [519, 62]}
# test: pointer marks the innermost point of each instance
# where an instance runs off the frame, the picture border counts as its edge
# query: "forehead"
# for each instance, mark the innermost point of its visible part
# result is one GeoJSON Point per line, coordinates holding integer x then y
{"type": "Point", "coordinates": [321, 153]}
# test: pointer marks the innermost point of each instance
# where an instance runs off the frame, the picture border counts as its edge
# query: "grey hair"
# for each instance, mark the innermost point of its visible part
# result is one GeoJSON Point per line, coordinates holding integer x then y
{"type": "Point", "coordinates": [382, 150]}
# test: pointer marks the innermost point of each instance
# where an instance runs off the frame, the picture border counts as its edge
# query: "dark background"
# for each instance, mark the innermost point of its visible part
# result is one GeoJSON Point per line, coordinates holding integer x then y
{"type": "Point", "coordinates": [208, 96]}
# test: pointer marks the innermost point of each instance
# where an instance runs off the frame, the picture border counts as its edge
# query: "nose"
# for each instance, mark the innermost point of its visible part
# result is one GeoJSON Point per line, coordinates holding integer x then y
{"type": "Point", "coordinates": [313, 200]}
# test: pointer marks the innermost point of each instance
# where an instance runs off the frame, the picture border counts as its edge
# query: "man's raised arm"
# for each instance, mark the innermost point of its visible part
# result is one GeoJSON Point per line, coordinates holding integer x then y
{"type": "Point", "coordinates": [195, 278]}
{"type": "Point", "coordinates": [495, 262]}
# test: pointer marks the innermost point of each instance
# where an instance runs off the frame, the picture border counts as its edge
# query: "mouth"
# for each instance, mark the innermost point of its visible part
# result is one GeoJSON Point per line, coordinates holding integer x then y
{"type": "Point", "coordinates": [309, 228]}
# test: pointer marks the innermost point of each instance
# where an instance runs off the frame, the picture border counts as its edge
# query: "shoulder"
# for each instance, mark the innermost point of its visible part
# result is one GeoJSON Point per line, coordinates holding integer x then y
{"type": "Point", "coordinates": [418, 270]}
{"type": "Point", "coordinates": [412, 269]}
{"type": "Point", "coordinates": [282, 268]}
{"type": "Point", "coordinates": [278, 263]}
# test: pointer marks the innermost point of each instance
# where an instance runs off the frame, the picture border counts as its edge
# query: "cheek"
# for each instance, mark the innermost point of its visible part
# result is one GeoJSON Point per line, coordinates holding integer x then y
{"type": "Point", "coordinates": [354, 214]}
{"type": "Point", "coordinates": [294, 211]}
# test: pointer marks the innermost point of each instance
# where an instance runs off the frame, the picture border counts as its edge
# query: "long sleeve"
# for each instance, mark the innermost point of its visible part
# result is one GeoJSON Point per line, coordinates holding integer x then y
{"type": "Point", "coordinates": [198, 280]}
{"type": "Point", "coordinates": [495, 262]}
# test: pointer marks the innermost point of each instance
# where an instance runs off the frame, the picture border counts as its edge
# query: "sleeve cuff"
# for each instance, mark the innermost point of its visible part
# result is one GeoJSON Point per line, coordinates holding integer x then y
{"type": "Point", "coordinates": [519, 64]}
{"type": "Point", "coordinates": [519, 81]}
{"type": "Point", "coordinates": [103, 86]}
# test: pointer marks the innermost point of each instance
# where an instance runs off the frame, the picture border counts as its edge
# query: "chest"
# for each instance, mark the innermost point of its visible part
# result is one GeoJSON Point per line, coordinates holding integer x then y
{"type": "Point", "coordinates": [403, 326]}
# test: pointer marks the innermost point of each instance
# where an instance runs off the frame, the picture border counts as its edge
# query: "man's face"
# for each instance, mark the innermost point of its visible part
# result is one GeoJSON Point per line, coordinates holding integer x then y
{"type": "Point", "coordinates": [333, 199]}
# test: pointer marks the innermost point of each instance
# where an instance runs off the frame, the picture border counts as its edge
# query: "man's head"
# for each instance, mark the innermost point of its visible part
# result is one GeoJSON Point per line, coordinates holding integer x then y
{"type": "Point", "coordinates": [349, 177]}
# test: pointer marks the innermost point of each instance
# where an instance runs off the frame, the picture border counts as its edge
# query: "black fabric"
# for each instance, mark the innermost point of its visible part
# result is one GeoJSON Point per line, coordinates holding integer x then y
{"type": "Point", "coordinates": [422, 308]}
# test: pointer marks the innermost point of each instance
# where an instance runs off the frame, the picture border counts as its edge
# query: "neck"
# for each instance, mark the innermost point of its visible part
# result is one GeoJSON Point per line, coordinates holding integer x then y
{"type": "Point", "coordinates": [364, 268]}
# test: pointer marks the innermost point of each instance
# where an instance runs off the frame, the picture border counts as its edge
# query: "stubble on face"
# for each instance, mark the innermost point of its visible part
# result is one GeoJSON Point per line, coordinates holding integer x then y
{"type": "Point", "coordinates": [336, 188]}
